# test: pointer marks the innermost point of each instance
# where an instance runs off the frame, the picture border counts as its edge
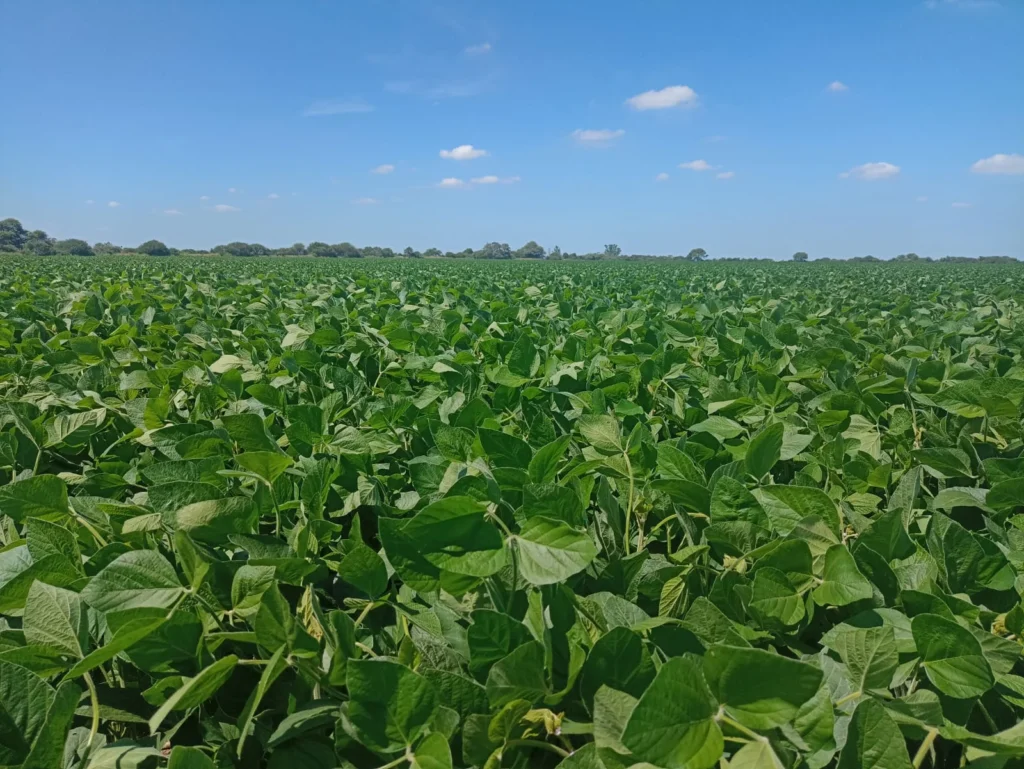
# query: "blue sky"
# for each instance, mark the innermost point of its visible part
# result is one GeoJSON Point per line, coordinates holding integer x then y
{"type": "Point", "coordinates": [206, 122]}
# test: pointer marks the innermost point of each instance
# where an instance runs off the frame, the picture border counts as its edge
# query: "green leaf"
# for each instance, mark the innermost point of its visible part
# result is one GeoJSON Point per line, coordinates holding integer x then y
{"type": "Point", "coordinates": [312, 715]}
{"type": "Point", "coordinates": [390, 705]}
{"type": "Point", "coordinates": [505, 450]}
{"type": "Point", "coordinates": [215, 519]}
{"type": "Point", "coordinates": [673, 723]}
{"type": "Point", "coordinates": [453, 534]}
{"type": "Point", "coordinates": [268, 465]}
{"type": "Point", "coordinates": [601, 431]}
{"type": "Point", "coordinates": [56, 618]}
{"type": "Point", "coordinates": [759, 689]}
{"type": "Point", "coordinates": [952, 657]}
{"type": "Point", "coordinates": [363, 568]}
{"type": "Point", "coordinates": [842, 583]}
{"type": "Point", "coordinates": [127, 636]}
{"type": "Point", "coordinates": [183, 757]}
{"type": "Point", "coordinates": [870, 656]}
{"type": "Point", "coordinates": [48, 746]}
{"type": "Point", "coordinates": [552, 551]}
{"type": "Point", "coordinates": [432, 753]}
{"type": "Point", "coordinates": [787, 506]}
{"type": "Point", "coordinates": [764, 450]}
{"type": "Point", "coordinates": [774, 601]}
{"type": "Point", "coordinates": [196, 691]}
{"type": "Point", "coordinates": [40, 495]}
{"type": "Point", "coordinates": [873, 740]}
{"type": "Point", "coordinates": [25, 699]}
{"type": "Point", "coordinates": [519, 676]}
{"type": "Point", "coordinates": [543, 468]}
{"type": "Point", "coordinates": [136, 579]}
{"type": "Point", "coordinates": [619, 660]}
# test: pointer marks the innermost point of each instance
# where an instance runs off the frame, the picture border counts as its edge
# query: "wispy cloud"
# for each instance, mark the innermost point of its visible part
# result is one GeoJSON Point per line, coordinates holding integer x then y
{"type": "Point", "coordinates": [273, 196]}
{"type": "Point", "coordinates": [232, 190]}
{"type": "Point", "coordinates": [837, 87]}
{"type": "Point", "coordinates": [384, 168]}
{"type": "Point", "coordinates": [449, 89]}
{"type": "Point", "coordinates": [662, 177]}
{"type": "Point", "coordinates": [451, 183]}
{"type": "Point", "coordinates": [89, 202]}
{"type": "Point", "coordinates": [922, 198]}
{"type": "Point", "coordinates": [672, 96]}
{"type": "Point", "coordinates": [336, 107]}
{"type": "Point", "coordinates": [224, 208]}
{"type": "Point", "coordinates": [696, 165]}
{"type": "Point", "coordinates": [726, 175]}
{"type": "Point", "coordinates": [716, 138]}
{"type": "Point", "coordinates": [962, 205]}
{"type": "Point", "coordinates": [463, 152]}
{"type": "Point", "coordinates": [1010, 165]}
{"type": "Point", "coordinates": [172, 212]}
{"type": "Point", "coordinates": [477, 50]}
{"type": "Point", "coordinates": [870, 172]}
{"type": "Point", "coordinates": [366, 201]}
{"type": "Point", "coordinates": [204, 197]}
{"type": "Point", "coordinates": [597, 137]}
{"type": "Point", "coordinates": [113, 204]}
{"type": "Point", "coordinates": [492, 179]}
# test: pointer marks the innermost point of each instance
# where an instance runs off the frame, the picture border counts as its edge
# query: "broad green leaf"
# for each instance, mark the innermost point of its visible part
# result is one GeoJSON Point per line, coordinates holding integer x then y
{"type": "Point", "coordinates": [389, 704]}
{"type": "Point", "coordinates": [673, 723]}
{"type": "Point", "coordinates": [842, 583]}
{"type": "Point", "coordinates": [552, 551]}
{"type": "Point", "coordinates": [873, 740]}
{"type": "Point", "coordinates": [760, 689]}
{"type": "Point", "coordinates": [601, 432]}
{"type": "Point", "coordinates": [40, 495]}
{"type": "Point", "coordinates": [56, 618]}
{"type": "Point", "coordinates": [764, 450]}
{"type": "Point", "coordinates": [136, 579]}
{"type": "Point", "coordinates": [952, 657]}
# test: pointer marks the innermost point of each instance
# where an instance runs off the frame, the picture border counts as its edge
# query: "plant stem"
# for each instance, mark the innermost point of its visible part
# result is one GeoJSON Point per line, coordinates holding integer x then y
{"type": "Point", "coordinates": [848, 698]}
{"type": "Point", "coordinates": [95, 699]}
{"type": "Point", "coordinates": [926, 745]}
{"type": "Point", "coordinates": [396, 762]}
{"type": "Point", "coordinates": [540, 744]}
{"type": "Point", "coordinates": [724, 719]}
{"type": "Point", "coordinates": [629, 504]}
{"type": "Point", "coordinates": [362, 615]}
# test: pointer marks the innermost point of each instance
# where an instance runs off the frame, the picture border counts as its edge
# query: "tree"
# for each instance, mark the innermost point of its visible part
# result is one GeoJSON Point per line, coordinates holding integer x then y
{"type": "Point", "coordinates": [347, 251]}
{"type": "Point", "coordinates": [494, 250]}
{"type": "Point", "coordinates": [39, 243]}
{"type": "Point", "coordinates": [298, 249]}
{"type": "Point", "coordinates": [800, 256]}
{"type": "Point", "coordinates": [696, 255]}
{"type": "Point", "coordinates": [73, 246]}
{"type": "Point", "coordinates": [411, 253]}
{"type": "Point", "coordinates": [531, 250]}
{"type": "Point", "coordinates": [612, 251]}
{"type": "Point", "coordinates": [12, 235]}
{"type": "Point", "coordinates": [316, 248]}
{"type": "Point", "coordinates": [106, 248]}
{"type": "Point", "coordinates": [556, 253]}
{"type": "Point", "coordinates": [153, 248]}
{"type": "Point", "coordinates": [432, 253]}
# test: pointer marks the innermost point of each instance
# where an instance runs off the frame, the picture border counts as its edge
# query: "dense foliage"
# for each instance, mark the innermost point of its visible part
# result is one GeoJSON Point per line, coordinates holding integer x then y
{"type": "Point", "coordinates": [311, 514]}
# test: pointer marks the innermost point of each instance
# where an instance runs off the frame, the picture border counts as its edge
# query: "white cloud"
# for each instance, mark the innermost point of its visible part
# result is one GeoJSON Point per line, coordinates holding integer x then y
{"type": "Point", "coordinates": [597, 137]}
{"type": "Point", "coordinates": [961, 205]}
{"type": "Point", "coordinates": [836, 86]}
{"type": "Point", "coordinates": [476, 50]}
{"type": "Point", "coordinates": [672, 96]}
{"type": "Point", "coordinates": [113, 204]}
{"type": "Point", "coordinates": [224, 208]}
{"type": "Point", "coordinates": [366, 201]}
{"type": "Point", "coordinates": [232, 190]}
{"type": "Point", "coordinates": [273, 196]}
{"type": "Point", "coordinates": [204, 197]}
{"type": "Point", "coordinates": [696, 165]}
{"type": "Point", "coordinates": [385, 168]}
{"type": "Point", "coordinates": [451, 182]}
{"type": "Point", "coordinates": [335, 107]}
{"type": "Point", "coordinates": [1000, 164]}
{"type": "Point", "coordinates": [922, 198]}
{"type": "Point", "coordinates": [172, 212]}
{"type": "Point", "coordinates": [662, 177]}
{"type": "Point", "coordinates": [486, 180]}
{"type": "Point", "coordinates": [463, 152]}
{"type": "Point", "coordinates": [89, 202]}
{"type": "Point", "coordinates": [870, 172]}
{"type": "Point", "coordinates": [726, 174]}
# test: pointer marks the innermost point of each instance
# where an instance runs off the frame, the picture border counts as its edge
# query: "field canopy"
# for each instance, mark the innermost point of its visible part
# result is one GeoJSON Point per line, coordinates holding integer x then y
{"type": "Point", "coordinates": [309, 514]}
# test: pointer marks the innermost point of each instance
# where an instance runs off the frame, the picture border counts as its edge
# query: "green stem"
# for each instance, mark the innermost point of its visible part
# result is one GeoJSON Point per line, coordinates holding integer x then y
{"type": "Point", "coordinates": [926, 745]}
{"type": "Point", "coordinates": [396, 762]}
{"type": "Point", "coordinates": [362, 615]}
{"type": "Point", "coordinates": [724, 719]}
{"type": "Point", "coordinates": [541, 745]}
{"type": "Point", "coordinates": [848, 698]}
{"type": "Point", "coordinates": [95, 726]}
{"type": "Point", "coordinates": [629, 503]}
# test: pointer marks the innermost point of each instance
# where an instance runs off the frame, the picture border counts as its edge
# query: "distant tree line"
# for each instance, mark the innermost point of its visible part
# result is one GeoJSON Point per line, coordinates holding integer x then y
{"type": "Point", "coordinates": [14, 238]}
